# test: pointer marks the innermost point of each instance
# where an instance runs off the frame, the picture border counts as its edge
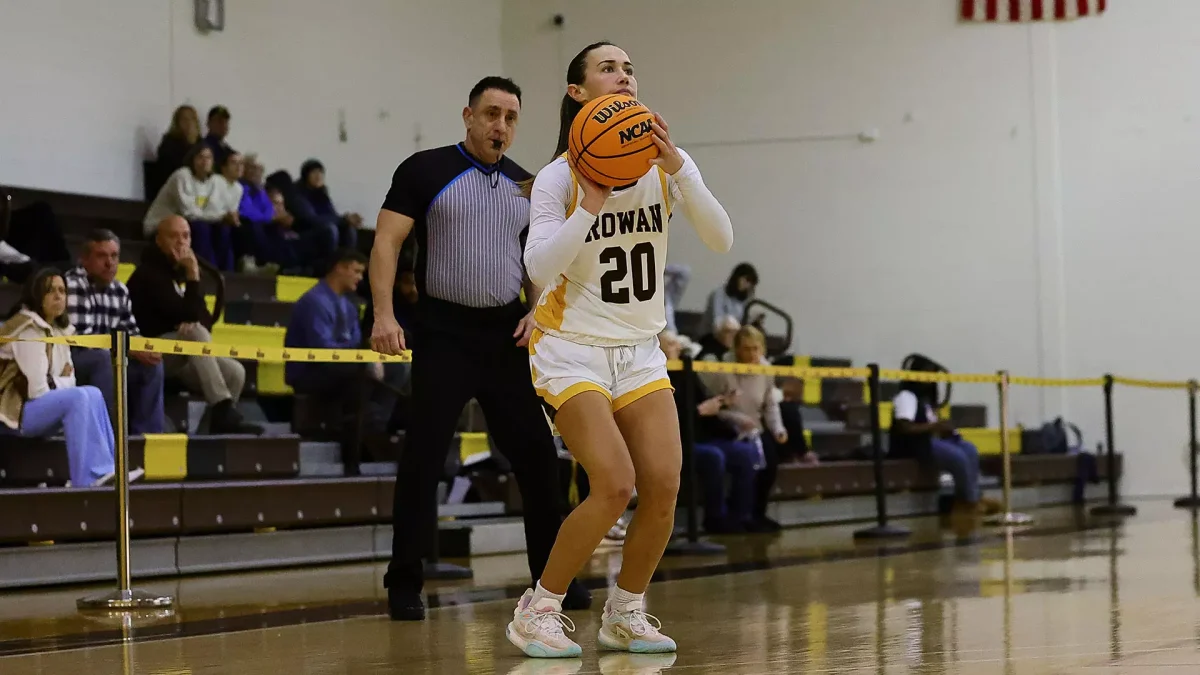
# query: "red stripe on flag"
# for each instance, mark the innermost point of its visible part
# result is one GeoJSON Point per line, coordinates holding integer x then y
{"type": "Point", "coordinates": [1100, 6]}
{"type": "Point", "coordinates": [1014, 10]}
{"type": "Point", "coordinates": [1060, 9]}
{"type": "Point", "coordinates": [968, 9]}
{"type": "Point", "coordinates": [993, 9]}
{"type": "Point", "coordinates": [1037, 10]}
{"type": "Point", "coordinates": [1083, 7]}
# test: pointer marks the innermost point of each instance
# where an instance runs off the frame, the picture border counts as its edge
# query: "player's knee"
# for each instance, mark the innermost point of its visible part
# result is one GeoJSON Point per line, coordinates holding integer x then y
{"type": "Point", "coordinates": [614, 491]}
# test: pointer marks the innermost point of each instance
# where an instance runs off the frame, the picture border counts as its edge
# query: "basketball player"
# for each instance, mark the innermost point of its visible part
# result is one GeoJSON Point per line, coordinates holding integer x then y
{"type": "Point", "coordinates": [597, 365]}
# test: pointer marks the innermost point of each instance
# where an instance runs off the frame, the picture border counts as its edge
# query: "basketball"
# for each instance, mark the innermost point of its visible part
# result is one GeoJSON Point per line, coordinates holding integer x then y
{"type": "Point", "coordinates": [612, 141]}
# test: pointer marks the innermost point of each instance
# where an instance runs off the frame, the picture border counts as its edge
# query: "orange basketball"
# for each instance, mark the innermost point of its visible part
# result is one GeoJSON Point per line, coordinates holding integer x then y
{"type": "Point", "coordinates": [612, 142]}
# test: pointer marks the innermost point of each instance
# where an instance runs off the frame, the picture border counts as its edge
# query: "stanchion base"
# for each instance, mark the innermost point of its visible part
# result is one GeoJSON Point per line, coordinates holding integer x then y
{"type": "Point", "coordinates": [125, 600]}
{"type": "Point", "coordinates": [882, 532]}
{"type": "Point", "coordinates": [1008, 519]}
{"type": "Point", "coordinates": [1187, 503]}
{"type": "Point", "coordinates": [698, 547]}
{"type": "Point", "coordinates": [441, 570]}
{"type": "Point", "coordinates": [1114, 510]}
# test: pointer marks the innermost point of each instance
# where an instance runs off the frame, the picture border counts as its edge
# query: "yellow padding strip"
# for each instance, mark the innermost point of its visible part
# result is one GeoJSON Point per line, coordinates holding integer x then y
{"type": "Point", "coordinates": [166, 456]}
{"type": "Point", "coordinates": [473, 446]}
{"type": "Point", "coordinates": [289, 289]}
{"type": "Point", "coordinates": [987, 441]}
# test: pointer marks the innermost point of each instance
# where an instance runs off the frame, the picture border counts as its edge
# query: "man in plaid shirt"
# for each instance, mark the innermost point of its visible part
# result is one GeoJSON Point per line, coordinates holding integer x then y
{"type": "Point", "coordinates": [98, 303]}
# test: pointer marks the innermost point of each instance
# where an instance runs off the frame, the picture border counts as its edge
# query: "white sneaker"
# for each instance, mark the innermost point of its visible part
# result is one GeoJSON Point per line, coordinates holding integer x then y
{"type": "Point", "coordinates": [537, 630]}
{"type": "Point", "coordinates": [632, 630]}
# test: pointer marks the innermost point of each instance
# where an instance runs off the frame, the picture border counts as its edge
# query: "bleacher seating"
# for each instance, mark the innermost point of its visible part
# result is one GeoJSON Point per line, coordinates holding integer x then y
{"type": "Point", "coordinates": [292, 478]}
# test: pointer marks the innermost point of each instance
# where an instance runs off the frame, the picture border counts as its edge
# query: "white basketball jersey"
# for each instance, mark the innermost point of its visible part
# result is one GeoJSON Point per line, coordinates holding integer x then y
{"type": "Point", "coordinates": [612, 294]}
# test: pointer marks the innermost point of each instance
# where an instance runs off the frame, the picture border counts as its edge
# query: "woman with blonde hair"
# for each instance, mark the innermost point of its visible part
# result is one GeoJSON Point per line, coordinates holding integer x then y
{"type": "Point", "coordinates": [753, 409]}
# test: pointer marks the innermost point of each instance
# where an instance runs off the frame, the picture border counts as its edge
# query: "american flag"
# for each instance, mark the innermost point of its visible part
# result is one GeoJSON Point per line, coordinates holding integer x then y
{"type": "Point", "coordinates": [1030, 10]}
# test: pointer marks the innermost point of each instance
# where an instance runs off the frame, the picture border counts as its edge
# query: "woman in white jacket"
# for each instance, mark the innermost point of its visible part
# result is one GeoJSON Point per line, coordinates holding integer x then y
{"type": "Point", "coordinates": [197, 194]}
{"type": "Point", "coordinates": [38, 394]}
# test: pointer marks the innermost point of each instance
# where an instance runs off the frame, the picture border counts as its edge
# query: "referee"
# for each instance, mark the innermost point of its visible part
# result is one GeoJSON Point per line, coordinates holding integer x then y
{"type": "Point", "coordinates": [470, 332]}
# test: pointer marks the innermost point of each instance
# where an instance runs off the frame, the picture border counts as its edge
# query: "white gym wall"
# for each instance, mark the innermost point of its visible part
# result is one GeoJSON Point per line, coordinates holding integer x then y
{"type": "Point", "coordinates": [1029, 202]}
{"type": "Point", "coordinates": [87, 88]}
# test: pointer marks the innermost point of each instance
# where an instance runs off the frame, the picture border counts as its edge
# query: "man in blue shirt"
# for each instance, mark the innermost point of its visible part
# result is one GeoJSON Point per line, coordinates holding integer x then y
{"type": "Point", "coordinates": [327, 318]}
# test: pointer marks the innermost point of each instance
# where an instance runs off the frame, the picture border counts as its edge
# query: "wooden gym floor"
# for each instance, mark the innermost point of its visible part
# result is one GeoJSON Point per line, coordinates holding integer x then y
{"type": "Point", "coordinates": [1069, 595]}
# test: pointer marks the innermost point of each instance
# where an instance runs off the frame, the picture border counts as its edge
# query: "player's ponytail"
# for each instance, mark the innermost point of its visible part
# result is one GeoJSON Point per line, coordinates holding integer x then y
{"type": "Point", "coordinates": [566, 117]}
{"type": "Point", "coordinates": [576, 72]}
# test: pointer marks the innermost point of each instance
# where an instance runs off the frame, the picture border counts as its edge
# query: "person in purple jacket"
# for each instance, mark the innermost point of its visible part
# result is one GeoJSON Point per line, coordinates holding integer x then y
{"type": "Point", "coordinates": [326, 317]}
{"type": "Point", "coordinates": [267, 239]}
{"type": "Point", "coordinates": [312, 188]}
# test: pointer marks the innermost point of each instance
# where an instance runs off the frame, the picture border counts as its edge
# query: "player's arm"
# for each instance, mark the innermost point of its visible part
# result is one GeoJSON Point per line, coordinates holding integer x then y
{"type": "Point", "coordinates": [554, 240]}
{"type": "Point", "coordinates": [702, 209]}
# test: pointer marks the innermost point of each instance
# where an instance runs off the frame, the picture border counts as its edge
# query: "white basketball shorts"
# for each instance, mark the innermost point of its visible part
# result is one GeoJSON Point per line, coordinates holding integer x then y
{"type": "Point", "coordinates": [562, 369]}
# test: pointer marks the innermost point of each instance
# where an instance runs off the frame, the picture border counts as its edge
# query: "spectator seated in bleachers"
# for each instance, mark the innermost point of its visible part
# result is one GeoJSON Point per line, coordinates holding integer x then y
{"type": "Point", "coordinates": [791, 404]}
{"type": "Point", "coordinates": [168, 303]}
{"type": "Point", "coordinates": [179, 138]}
{"type": "Point", "coordinates": [305, 217]}
{"type": "Point", "coordinates": [313, 190]}
{"type": "Point", "coordinates": [218, 131]}
{"type": "Point", "coordinates": [714, 346]}
{"type": "Point", "coordinates": [730, 300]}
{"type": "Point", "coordinates": [38, 392]}
{"type": "Point", "coordinates": [267, 240]}
{"type": "Point", "coordinates": [917, 433]}
{"type": "Point", "coordinates": [752, 408]}
{"type": "Point", "coordinates": [326, 318]}
{"type": "Point", "coordinates": [97, 304]}
{"type": "Point", "coordinates": [227, 199]}
{"type": "Point", "coordinates": [718, 452]}
{"type": "Point", "coordinates": [191, 192]}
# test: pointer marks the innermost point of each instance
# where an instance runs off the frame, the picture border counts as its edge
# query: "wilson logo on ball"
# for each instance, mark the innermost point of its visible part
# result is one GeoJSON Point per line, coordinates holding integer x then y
{"type": "Point", "coordinates": [605, 114]}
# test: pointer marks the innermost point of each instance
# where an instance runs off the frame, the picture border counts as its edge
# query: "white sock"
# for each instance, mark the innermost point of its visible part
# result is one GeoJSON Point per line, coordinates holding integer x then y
{"type": "Point", "coordinates": [620, 599]}
{"type": "Point", "coordinates": [540, 594]}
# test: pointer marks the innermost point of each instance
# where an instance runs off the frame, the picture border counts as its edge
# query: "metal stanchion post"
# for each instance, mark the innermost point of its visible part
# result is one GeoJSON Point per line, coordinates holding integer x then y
{"type": "Point", "coordinates": [1007, 518]}
{"type": "Point", "coordinates": [125, 597]}
{"type": "Point", "coordinates": [1191, 501]}
{"type": "Point", "coordinates": [687, 434]}
{"type": "Point", "coordinates": [882, 529]}
{"type": "Point", "coordinates": [1113, 507]}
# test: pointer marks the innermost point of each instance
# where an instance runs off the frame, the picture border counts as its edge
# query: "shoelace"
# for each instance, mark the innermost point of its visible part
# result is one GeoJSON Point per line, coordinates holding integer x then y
{"type": "Point", "coordinates": [552, 622]}
{"type": "Point", "coordinates": [640, 622]}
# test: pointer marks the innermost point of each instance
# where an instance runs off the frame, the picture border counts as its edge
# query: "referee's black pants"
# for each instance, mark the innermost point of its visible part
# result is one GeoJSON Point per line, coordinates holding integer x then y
{"type": "Point", "coordinates": [448, 370]}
